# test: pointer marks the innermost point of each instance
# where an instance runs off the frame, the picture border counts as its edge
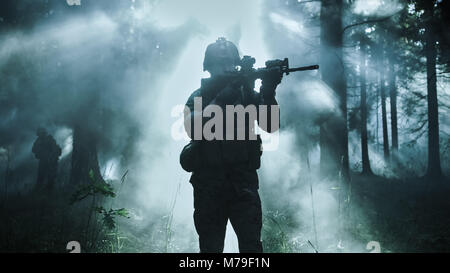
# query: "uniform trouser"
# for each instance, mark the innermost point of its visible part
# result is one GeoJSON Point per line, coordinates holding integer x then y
{"type": "Point", "coordinates": [46, 174]}
{"type": "Point", "coordinates": [233, 196]}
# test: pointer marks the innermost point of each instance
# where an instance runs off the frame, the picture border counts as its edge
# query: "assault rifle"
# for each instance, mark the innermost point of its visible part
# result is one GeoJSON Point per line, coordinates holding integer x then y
{"type": "Point", "coordinates": [281, 66]}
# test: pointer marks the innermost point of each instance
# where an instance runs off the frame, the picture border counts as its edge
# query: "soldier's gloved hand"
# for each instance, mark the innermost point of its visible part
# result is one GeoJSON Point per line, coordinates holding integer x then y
{"type": "Point", "coordinates": [270, 82]}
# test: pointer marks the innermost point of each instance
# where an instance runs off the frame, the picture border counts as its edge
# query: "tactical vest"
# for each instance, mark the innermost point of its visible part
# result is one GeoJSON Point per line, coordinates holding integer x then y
{"type": "Point", "coordinates": [219, 154]}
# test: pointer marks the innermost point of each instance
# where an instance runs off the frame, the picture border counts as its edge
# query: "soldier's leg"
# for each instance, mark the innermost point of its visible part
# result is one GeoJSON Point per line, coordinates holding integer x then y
{"type": "Point", "coordinates": [41, 175]}
{"type": "Point", "coordinates": [246, 214]}
{"type": "Point", "coordinates": [52, 172]}
{"type": "Point", "coordinates": [210, 218]}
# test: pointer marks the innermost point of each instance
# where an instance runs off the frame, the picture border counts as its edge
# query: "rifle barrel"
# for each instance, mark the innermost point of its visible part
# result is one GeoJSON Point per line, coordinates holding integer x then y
{"type": "Point", "coordinates": [311, 67]}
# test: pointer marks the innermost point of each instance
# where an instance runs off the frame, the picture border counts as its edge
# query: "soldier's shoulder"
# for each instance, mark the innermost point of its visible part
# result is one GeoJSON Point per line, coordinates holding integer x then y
{"type": "Point", "coordinates": [50, 138]}
{"type": "Point", "coordinates": [196, 93]}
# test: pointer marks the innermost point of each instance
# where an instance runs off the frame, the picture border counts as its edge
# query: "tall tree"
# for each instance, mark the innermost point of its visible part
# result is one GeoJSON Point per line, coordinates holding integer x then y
{"type": "Point", "coordinates": [393, 101]}
{"type": "Point", "coordinates": [434, 162]}
{"type": "Point", "coordinates": [84, 156]}
{"type": "Point", "coordinates": [363, 106]}
{"type": "Point", "coordinates": [382, 88]}
{"type": "Point", "coordinates": [333, 132]}
{"type": "Point", "coordinates": [392, 33]}
{"type": "Point", "coordinates": [86, 135]}
{"type": "Point", "coordinates": [422, 30]}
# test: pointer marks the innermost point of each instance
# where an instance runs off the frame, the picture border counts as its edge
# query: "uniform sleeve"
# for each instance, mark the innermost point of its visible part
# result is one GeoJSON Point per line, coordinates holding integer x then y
{"type": "Point", "coordinates": [59, 150]}
{"type": "Point", "coordinates": [35, 149]}
{"type": "Point", "coordinates": [189, 114]}
{"type": "Point", "coordinates": [268, 112]}
{"type": "Point", "coordinates": [55, 149]}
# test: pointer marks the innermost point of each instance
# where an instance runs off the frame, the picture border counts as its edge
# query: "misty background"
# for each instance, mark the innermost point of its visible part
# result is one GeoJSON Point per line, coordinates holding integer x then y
{"type": "Point", "coordinates": [122, 71]}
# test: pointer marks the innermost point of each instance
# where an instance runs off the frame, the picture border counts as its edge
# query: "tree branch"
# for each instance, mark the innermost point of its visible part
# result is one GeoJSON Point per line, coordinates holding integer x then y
{"type": "Point", "coordinates": [369, 21]}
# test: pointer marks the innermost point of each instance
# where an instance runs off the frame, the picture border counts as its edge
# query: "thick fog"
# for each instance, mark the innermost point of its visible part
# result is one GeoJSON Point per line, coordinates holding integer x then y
{"type": "Point", "coordinates": [127, 68]}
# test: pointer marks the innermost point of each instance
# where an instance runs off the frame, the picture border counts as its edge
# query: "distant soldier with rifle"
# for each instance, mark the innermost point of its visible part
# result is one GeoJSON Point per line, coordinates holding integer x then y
{"type": "Point", "coordinates": [47, 152]}
{"type": "Point", "coordinates": [224, 176]}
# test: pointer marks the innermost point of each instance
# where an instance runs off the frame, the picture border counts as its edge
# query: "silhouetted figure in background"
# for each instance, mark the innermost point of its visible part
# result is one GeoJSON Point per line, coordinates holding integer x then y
{"type": "Point", "coordinates": [47, 152]}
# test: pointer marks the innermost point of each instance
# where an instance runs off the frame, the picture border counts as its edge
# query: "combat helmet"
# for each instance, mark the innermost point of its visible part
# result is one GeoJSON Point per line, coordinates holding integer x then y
{"type": "Point", "coordinates": [219, 52]}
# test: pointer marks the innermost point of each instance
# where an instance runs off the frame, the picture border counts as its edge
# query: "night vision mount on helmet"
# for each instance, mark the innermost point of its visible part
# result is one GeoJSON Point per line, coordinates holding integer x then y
{"type": "Point", "coordinates": [222, 51]}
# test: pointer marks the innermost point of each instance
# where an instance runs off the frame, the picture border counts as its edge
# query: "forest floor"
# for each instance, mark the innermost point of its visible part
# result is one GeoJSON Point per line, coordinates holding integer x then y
{"type": "Point", "coordinates": [409, 215]}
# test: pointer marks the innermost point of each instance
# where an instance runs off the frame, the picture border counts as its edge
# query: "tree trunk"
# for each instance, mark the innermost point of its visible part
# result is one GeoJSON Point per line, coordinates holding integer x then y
{"type": "Point", "coordinates": [85, 138]}
{"type": "Point", "coordinates": [333, 132]}
{"type": "Point", "coordinates": [378, 120]}
{"type": "Point", "coordinates": [383, 108]}
{"type": "Point", "coordinates": [364, 145]}
{"type": "Point", "coordinates": [84, 156]}
{"type": "Point", "coordinates": [393, 97]}
{"type": "Point", "coordinates": [434, 162]}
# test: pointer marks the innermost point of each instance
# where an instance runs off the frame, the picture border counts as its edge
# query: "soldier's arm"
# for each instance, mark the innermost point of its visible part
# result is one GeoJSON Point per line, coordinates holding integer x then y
{"type": "Point", "coordinates": [267, 99]}
{"type": "Point", "coordinates": [190, 115]}
{"type": "Point", "coordinates": [35, 149]}
{"type": "Point", "coordinates": [216, 92]}
{"type": "Point", "coordinates": [269, 112]}
{"type": "Point", "coordinates": [59, 150]}
{"type": "Point", "coordinates": [193, 114]}
{"type": "Point", "coordinates": [56, 150]}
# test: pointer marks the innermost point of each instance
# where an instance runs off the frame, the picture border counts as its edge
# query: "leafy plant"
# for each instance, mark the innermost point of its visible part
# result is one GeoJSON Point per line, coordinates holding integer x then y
{"type": "Point", "coordinates": [109, 215]}
{"type": "Point", "coordinates": [91, 189]}
{"type": "Point", "coordinates": [97, 188]}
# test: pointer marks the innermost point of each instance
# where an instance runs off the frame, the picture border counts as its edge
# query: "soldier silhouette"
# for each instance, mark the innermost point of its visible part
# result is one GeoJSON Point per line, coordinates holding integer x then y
{"type": "Point", "coordinates": [47, 152]}
{"type": "Point", "coordinates": [224, 176]}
